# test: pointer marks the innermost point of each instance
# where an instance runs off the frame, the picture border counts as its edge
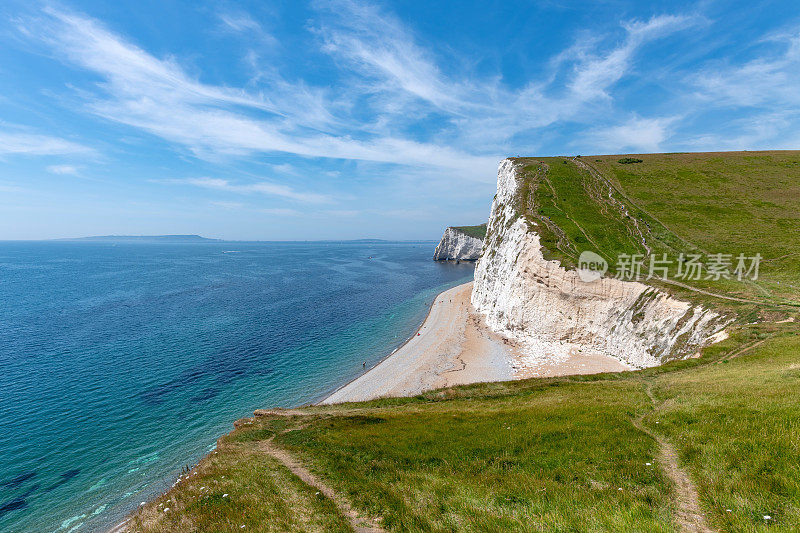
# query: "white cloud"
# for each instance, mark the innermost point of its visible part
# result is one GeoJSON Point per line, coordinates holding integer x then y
{"type": "Point", "coordinates": [343, 212]}
{"type": "Point", "coordinates": [483, 113]}
{"type": "Point", "coordinates": [397, 78]}
{"type": "Point", "coordinates": [769, 80]}
{"type": "Point", "coordinates": [640, 134]}
{"type": "Point", "coordinates": [63, 169]}
{"type": "Point", "coordinates": [280, 211]}
{"type": "Point", "coordinates": [31, 144]}
{"type": "Point", "coordinates": [10, 188]}
{"type": "Point", "coordinates": [263, 187]}
{"type": "Point", "coordinates": [594, 75]}
{"type": "Point", "coordinates": [763, 131]}
{"type": "Point", "coordinates": [156, 95]}
{"type": "Point", "coordinates": [228, 205]}
{"type": "Point", "coordinates": [239, 22]}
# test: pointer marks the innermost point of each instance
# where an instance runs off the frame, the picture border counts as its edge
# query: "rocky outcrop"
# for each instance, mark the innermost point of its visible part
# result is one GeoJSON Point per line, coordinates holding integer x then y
{"type": "Point", "coordinates": [458, 245]}
{"type": "Point", "coordinates": [552, 312]}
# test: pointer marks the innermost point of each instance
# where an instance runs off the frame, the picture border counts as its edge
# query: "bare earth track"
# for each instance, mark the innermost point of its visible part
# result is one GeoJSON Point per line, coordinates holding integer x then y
{"type": "Point", "coordinates": [688, 515]}
{"type": "Point", "coordinates": [359, 524]}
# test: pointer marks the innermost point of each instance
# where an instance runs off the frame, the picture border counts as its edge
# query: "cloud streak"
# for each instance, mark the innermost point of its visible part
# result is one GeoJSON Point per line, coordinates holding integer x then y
{"type": "Point", "coordinates": [157, 96]}
{"type": "Point", "coordinates": [33, 144]}
{"type": "Point", "coordinates": [262, 187]}
{"type": "Point", "coordinates": [398, 80]}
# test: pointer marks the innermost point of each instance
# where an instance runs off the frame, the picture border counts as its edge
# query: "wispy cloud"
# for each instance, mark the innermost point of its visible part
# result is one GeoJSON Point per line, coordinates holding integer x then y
{"type": "Point", "coordinates": [156, 95]}
{"type": "Point", "coordinates": [390, 87]}
{"type": "Point", "coordinates": [33, 144]}
{"type": "Point", "coordinates": [770, 79]}
{"type": "Point", "coordinates": [399, 80]}
{"type": "Point", "coordinates": [640, 134]}
{"type": "Point", "coordinates": [596, 74]}
{"type": "Point", "coordinates": [280, 211]}
{"type": "Point", "coordinates": [228, 205]}
{"type": "Point", "coordinates": [63, 169]}
{"type": "Point", "coordinates": [482, 111]}
{"type": "Point", "coordinates": [262, 187]}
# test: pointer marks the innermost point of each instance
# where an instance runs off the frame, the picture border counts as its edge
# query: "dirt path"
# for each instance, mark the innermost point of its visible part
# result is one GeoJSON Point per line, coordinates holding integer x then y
{"type": "Point", "coordinates": [360, 525]}
{"type": "Point", "coordinates": [746, 348]}
{"type": "Point", "coordinates": [689, 517]}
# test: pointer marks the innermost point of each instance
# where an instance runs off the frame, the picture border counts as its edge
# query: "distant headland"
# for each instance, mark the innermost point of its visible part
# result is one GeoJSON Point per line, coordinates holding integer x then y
{"type": "Point", "coordinates": [142, 238]}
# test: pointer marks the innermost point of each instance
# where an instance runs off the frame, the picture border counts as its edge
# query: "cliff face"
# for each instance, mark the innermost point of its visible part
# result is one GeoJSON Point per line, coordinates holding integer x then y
{"type": "Point", "coordinates": [456, 244]}
{"type": "Point", "coordinates": [551, 311]}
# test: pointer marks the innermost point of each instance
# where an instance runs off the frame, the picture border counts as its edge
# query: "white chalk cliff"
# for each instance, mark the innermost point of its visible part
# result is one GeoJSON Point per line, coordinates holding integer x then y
{"type": "Point", "coordinates": [551, 312]}
{"type": "Point", "coordinates": [457, 245]}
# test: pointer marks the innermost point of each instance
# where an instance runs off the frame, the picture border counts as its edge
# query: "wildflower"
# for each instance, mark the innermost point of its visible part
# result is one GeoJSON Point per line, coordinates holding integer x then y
{"type": "Point", "coordinates": [767, 517]}
{"type": "Point", "coordinates": [166, 509]}
{"type": "Point", "coordinates": [648, 464]}
{"type": "Point", "coordinates": [224, 495]}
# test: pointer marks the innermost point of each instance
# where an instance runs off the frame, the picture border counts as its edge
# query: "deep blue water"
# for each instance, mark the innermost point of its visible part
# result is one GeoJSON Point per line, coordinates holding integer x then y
{"type": "Point", "coordinates": [120, 364]}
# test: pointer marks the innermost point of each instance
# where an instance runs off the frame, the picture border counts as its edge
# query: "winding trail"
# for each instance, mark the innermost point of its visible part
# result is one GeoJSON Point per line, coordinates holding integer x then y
{"type": "Point", "coordinates": [689, 516]}
{"type": "Point", "coordinates": [359, 524]}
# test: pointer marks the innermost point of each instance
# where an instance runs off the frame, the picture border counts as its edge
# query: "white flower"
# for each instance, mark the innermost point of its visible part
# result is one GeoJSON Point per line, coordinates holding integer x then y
{"type": "Point", "coordinates": [648, 464]}
{"type": "Point", "coordinates": [166, 509]}
{"type": "Point", "coordinates": [767, 517]}
{"type": "Point", "coordinates": [224, 495]}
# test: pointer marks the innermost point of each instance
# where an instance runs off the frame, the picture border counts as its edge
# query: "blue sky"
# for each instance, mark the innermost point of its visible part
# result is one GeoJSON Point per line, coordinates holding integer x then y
{"type": "Point", "coordinates": [349, 119]}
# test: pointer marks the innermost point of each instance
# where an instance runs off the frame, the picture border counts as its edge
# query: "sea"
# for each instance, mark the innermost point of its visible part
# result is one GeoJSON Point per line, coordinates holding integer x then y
{"type": "Point", "coordinates": [122, 363]}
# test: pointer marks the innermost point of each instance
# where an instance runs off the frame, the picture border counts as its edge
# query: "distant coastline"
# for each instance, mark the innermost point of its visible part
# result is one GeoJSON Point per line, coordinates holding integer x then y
{"type": "Point", "coordinates": [141, 238]}
{"type": "Point", "coordinates": [201, 239]}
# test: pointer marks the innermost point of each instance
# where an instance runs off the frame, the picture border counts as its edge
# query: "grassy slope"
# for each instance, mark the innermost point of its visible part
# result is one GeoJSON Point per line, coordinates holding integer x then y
{"type": "Point", "coordinates": [737, 202]}
{"type": "Point", "coordinates": [479, 232]}
{"type": "Point", "coordinates": [534, 455]}
{"type": "Point", "coordinates": [553, 454]}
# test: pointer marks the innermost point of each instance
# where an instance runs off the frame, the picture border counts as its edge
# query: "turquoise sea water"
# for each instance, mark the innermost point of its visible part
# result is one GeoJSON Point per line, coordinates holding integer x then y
{"type": "Point", "coordinates": [121, 364]}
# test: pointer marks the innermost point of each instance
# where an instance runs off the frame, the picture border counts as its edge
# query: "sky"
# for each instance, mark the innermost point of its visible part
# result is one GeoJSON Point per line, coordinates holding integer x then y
{"type": "Point", "coordinates": [346, 119]}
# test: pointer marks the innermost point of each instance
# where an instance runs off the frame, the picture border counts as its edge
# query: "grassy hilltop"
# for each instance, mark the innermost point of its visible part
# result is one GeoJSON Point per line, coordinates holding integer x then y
{"type": "Point", "coordinates": [479, 232]}
{"type": "Point", "coordinates": [700, 203]}
{"type": "Point", "coordinates": [587, 453]}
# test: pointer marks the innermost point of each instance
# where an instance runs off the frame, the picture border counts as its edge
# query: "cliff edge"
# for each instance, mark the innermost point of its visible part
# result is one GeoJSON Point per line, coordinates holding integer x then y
{"type": "Point", "coordinates": [547, 306]}
{"type": "Point", "coordinates": [460, 243]}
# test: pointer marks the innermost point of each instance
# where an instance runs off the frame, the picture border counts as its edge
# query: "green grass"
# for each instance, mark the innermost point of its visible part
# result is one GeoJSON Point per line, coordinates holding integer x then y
{"type": "Point", "coordinates": [235, 486]}
{"type": "Point", "coordinates": [564, 454]}
{"type": "Point", "coordinates": [533, 455]}
{"type": "Point", "coordinates": [730, 203]}
{"type": "Point", "coordinates": [479, 232]}
{"type": "Point", "coordinates": [736, 426]}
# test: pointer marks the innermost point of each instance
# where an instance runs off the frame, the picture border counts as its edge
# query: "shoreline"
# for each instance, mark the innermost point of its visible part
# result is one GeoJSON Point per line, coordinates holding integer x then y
{"type": "Point", "coordinates": [452, 346]}
{"type": "Point", "coordinates": [321, 399]}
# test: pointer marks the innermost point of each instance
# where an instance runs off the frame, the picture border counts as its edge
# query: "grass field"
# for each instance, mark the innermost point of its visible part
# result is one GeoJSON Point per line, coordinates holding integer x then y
{"type": "Point", "coordinates": [577, 453]}
{"type": "Point", "coordinates": [709, 203]}
{"type": "Point", "coordinates": [535, 455]}
{"type": "Point", "coordinates": [479, 232]}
